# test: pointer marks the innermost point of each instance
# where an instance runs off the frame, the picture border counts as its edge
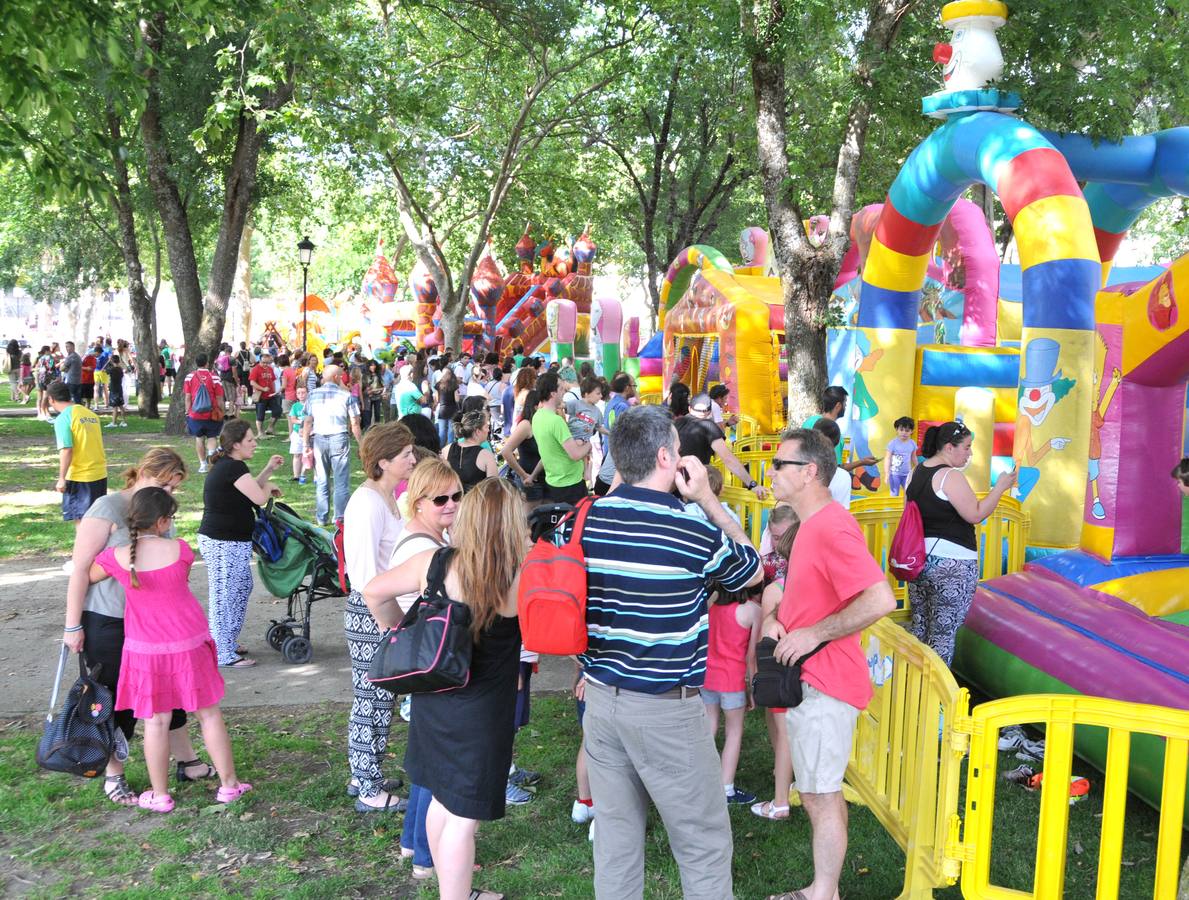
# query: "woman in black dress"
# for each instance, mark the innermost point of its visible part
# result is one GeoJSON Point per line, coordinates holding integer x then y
{"type": "Point", "coordinates": [460, 742]}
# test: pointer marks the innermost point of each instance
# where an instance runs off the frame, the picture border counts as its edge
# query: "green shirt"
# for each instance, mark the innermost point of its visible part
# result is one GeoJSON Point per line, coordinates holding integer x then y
{"type": "Point", "coordinates": [518, 359]}
{"type": "Point", "coordinates": [550, 431]}
{"type": "Point", "coordinates": [808, 423]}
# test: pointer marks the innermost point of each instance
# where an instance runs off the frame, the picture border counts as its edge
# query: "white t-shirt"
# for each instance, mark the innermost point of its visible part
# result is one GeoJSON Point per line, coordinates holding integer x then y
{"type": "Point", "coordinates": [840, 487]}
{"type": "Point", "coordinates": [716, 412]}
{"type": "Point", "coordinates": [475, 389]}
{"type": "Point", "coordinates": [409, 545]}
{"type": "Point", "coordinates": [370, 532]}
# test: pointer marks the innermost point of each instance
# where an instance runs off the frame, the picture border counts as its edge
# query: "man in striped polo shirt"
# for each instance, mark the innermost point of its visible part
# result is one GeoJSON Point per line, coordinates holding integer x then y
{"type": "Point", "coordinates": [650, 569]}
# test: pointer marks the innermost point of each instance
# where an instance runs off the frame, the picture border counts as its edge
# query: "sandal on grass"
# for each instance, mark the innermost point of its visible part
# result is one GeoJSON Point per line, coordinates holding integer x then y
{"type": "Point", "coordinates": [389, 784]}
{"type": "Point", "coordinates": [478, 894]}
{"type": "Point", "coordinates": [768, 809]}
{"type": "Point", "coordinates": [791, 895]}
{"type": "Point", "coordinates": [230, 794]}
{"type": "Point", "coordinates": [183, 766]}
{"type": "Point", "coordinates": [154, 802]}
{"type": "Point", "coordinates": [116, 788]}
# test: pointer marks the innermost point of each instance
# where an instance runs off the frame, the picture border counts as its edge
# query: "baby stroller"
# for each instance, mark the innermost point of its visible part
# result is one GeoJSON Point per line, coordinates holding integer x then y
{"type": "Point", "coordinates": [300, 564]}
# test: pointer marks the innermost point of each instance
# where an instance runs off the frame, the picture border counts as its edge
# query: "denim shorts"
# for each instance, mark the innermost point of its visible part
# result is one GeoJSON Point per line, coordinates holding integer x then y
{"type": "Point", "coordinates": [78, 497]}
{"type": "Point", "coordinates": [724, 699]}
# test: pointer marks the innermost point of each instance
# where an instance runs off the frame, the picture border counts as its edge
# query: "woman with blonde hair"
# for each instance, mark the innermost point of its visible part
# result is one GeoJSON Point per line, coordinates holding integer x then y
{"type": "Point", "coordinates": [95, 612]}
{"type": "Point", "coordinates": [460, 742]}
{"type": "Point", "coordinates": [371, 528]}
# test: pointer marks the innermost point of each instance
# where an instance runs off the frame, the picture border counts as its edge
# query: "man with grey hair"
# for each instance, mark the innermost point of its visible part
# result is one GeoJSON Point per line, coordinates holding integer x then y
{"type": "Point", "coordinates": [651, 568]}
{"type": "Point", "coordinates": [834, 589]}
{"type": "Point", "coordinates": [331, 412]}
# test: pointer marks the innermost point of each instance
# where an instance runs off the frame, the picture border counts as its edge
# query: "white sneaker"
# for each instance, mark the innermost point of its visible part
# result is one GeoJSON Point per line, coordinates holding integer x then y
{"type": "Point", "coordinates": [110, 425]}
{"type": "Point", "coordinates": [580, 813]}
{"type": "Point", "coordinates": [201, 468]}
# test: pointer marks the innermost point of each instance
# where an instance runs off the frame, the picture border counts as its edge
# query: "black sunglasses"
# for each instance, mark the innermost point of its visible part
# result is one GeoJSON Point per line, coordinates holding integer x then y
{"type": "Point", "coordinates": [779, 464]}
{"type": "Point", "coordinates": [441, 499]}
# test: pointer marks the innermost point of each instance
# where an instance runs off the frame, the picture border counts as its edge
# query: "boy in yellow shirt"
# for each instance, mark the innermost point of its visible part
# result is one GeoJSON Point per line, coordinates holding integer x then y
{"type": "Point", "coordinates": [82, 462]}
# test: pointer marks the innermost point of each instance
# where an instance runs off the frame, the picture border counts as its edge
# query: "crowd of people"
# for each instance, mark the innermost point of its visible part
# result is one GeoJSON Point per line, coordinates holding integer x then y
{"type": "Point", "coordinates": [455, 455]}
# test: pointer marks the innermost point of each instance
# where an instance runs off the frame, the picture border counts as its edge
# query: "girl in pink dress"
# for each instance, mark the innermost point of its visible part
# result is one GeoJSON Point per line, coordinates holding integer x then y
{"type": "Point", "coordinates": [168, 661]}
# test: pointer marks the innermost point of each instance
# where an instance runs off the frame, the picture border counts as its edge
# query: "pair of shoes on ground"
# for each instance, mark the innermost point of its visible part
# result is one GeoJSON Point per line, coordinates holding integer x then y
{"type": "Point", "coordinates": [1016, 738]}
{"type": "Point", "coordinates": [163, 803]}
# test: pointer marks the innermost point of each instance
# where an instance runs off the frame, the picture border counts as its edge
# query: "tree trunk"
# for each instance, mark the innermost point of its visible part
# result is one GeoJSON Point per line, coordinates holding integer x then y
{"type": "Point", "coordinates": [241, 310]}
{"type": "Point", "coordinates": [453, 313]}
{"type": "Point", "coordinates": [142, 304]}
{"type": "Point", "coordinates": [179, 241]}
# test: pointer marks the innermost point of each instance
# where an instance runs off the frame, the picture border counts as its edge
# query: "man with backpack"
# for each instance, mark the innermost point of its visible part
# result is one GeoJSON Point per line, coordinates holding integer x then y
{"type": "Point", "coordinates": [204, 408]}
{"type": "Point", "coordinates": [834, 589]}
{"type": "Point", "coordinates": [650, 569]}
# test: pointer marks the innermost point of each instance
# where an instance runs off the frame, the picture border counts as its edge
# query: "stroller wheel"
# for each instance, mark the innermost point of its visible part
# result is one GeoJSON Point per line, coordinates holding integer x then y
{"type": "Point", "coordinates": [297, 649]}
{"type": "Point", "coordinates": [277, 632]}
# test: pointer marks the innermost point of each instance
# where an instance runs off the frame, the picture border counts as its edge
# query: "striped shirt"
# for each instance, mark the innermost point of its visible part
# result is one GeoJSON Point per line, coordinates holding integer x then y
{"type": "Point", "coordinates": [332, 408]}
{"type": "Point", "coordinates": [649, 569]}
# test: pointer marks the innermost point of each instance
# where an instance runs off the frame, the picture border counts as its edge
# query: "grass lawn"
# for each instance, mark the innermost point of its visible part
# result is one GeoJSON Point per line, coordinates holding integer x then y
{"type": "Point", "coordinates": [296, 835]}
{"type": "Point", "coordinates": [31, 509]}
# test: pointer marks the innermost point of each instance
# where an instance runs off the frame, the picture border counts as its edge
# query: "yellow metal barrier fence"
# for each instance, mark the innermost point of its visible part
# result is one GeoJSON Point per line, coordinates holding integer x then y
{"type": "Point", "coordinates": [906, 759]}
{"type": "Point", "coordinates": [1060, 714]}
{"type": "Point", "coordinates": [750, 510]}
{"type": "Point", "coordinates": [1001, 539]}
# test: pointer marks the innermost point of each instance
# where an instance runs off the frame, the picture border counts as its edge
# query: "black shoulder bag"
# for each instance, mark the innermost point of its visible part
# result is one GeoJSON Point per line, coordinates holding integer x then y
{"type": "Point", "coordinates": [82, 737]}
{"type": "Point", "coordinates": [775, 684]}
{"type": "Point", "coordinates": [430, 650]}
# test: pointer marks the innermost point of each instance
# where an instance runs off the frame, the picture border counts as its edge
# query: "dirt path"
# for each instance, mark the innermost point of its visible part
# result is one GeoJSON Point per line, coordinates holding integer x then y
{"type": "Point", "coordinates": [32, 600]}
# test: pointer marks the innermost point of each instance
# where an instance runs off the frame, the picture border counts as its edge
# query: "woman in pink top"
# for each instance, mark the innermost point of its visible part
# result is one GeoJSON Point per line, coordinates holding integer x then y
{"type": "Point", "coordinates": [734, 630]}
{"type": "Point", "coordinates": [168, 661]}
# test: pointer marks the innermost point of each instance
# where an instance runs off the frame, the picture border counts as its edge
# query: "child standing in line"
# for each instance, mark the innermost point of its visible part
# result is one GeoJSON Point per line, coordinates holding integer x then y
{"type": "Point", "coordinates": [168, 661]}
{"type": "Point", "coordinates": [782, 528]}
{"type": "Point", "coordinates": [115, 389]}
{"type": "Point", "coordinates": [901, 457]}
{"type": "Point", "coordinates": [26, 376]}
{"type": "Point", "coordinates": [297, 414]}
{"type": "Point", "coordinates": [715, 479]}
{"type": "Point", "coordinates": [585, 416]}
{"type": "Point", "coordinates": [730, 662]}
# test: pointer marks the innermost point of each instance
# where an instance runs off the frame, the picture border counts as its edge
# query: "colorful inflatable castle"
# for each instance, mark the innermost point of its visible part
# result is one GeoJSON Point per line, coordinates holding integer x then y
{"type": "Point", "coordinates": [1100, 389]}
{"type": "Point", "coordinates": [1077, 380]}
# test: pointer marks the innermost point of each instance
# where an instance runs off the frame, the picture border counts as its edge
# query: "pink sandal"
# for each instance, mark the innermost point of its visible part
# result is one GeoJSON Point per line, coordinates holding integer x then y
{"type": "Point", "coordinates": [230, 794]}
{"type": "Point", "coordinates": [153, 802]}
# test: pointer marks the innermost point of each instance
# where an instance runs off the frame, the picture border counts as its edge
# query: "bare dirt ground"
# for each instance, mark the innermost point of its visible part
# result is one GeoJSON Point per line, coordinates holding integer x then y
{"type": "Point", "coordinates": [32, 602]}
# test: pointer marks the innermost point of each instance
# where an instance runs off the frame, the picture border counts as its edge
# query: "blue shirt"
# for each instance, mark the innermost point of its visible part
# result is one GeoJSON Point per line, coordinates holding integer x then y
{"type": "Point", "coordinates": [649, 568]}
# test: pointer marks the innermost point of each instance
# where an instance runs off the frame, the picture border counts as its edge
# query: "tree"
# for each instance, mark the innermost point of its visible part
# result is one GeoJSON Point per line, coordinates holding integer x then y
{"type": "Point", "coordinates": [807, 272]}
{"type": "Point", "coordinates": [453, 100]}
{"type": "Point", "coordinates": [677, 130]}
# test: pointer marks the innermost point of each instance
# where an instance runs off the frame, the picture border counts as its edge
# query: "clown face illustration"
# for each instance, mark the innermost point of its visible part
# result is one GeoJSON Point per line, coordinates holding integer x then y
{"type": "Point", "coordinates": [1037, 403]}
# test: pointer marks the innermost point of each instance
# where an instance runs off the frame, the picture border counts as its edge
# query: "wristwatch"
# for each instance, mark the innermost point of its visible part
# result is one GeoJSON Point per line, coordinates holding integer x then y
{"type": "Point", "coordinates": [753, 485]}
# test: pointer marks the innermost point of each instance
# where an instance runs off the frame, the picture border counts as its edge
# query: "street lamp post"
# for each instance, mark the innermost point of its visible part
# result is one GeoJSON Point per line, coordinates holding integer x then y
{"type": "Point", "coordinates": [305, 250]}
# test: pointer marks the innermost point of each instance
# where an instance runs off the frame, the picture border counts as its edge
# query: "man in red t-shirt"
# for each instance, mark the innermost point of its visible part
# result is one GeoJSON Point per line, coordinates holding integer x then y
{"type": "Point", "coordinates": [262, 380]}
{"type": "Point", "coordinates": [834, 590]}
{"type": "Point", "coordinates": [87, 377]}
{"type": "Point", "coordinates": [205, 425]}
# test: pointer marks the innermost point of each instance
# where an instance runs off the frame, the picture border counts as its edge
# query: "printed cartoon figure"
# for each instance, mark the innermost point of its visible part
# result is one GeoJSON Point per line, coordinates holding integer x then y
{"type": "Point", "coordinates": [1041, 388]}
{"type": "Point", "coordinates": [1162, 304]}
{"type": "Point", "coordinates": [861, 410]}
{"type": "Point", "coordinates": [1098, 418]}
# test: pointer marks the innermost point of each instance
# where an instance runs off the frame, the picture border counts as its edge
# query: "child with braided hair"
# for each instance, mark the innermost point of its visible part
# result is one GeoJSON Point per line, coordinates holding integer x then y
{"type": "Point", "coordinates": [168, 660]}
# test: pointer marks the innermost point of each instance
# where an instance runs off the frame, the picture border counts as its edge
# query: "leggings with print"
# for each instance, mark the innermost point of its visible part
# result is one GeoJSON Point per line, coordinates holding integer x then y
{"type": "Point", "coordinates": [229, 573]}
{"type": "Point", "coordinates": [940, 599]}
{"type": "Point", "coordinates": [371, 706]}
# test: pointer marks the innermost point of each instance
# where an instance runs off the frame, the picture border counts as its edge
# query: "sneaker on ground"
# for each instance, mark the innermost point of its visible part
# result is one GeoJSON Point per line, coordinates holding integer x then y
{"type": "Point", "coordinates": [120, 750]}
{"type": "Point", "coordinates": [580, 813]}
{"type": "Point", "coordinates": [406, 706]}
{"type": "Point", "coordinates": [738, 796]}
{"type": "Point", "coordinates": [516, 795]}
{"type": "Point", "coordinates": [201, 468]}
{"type": "Point", "coordinates": [523, 777]}
{"type": "Point", "coordinates": [1030, 750]}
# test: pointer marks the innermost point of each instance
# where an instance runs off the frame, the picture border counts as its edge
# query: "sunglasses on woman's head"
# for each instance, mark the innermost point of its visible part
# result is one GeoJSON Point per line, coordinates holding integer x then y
{"type": "Point", "coordinates": [442, 499]}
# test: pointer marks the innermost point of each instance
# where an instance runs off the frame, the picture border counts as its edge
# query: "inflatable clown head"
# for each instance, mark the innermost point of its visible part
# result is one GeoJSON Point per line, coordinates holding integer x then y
{"type": "Point", "coordinates": [972, 58]}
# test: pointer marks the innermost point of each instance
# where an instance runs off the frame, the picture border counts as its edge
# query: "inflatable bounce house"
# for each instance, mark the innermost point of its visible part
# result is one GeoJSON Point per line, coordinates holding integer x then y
{"type": "Point", "coordinates": [551, 310]}
{"type": "Point", "coordinates": [1080, 385]}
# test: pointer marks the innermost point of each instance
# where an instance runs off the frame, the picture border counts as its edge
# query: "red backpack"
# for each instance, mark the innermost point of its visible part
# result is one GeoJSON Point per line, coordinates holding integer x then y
{"type": "Point", "coordinates": [906, 555]}
{"type": "Point", "coordinates": [551, 601]}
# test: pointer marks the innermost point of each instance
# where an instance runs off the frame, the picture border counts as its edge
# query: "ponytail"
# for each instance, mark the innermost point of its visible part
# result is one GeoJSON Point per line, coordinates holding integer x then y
{"type": "Point", "coordinates": [149, 506]}
{"type": "Point", "coordinates": [938, 436]}
{"type": "Point", "coordinates": [233, 432]}
{"type": "Point", "coordinates": [929, 442]}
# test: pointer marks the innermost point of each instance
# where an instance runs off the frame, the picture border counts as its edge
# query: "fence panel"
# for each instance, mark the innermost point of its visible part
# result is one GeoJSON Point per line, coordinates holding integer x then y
{"type": "Point", "coordinates": [1061, 714]}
